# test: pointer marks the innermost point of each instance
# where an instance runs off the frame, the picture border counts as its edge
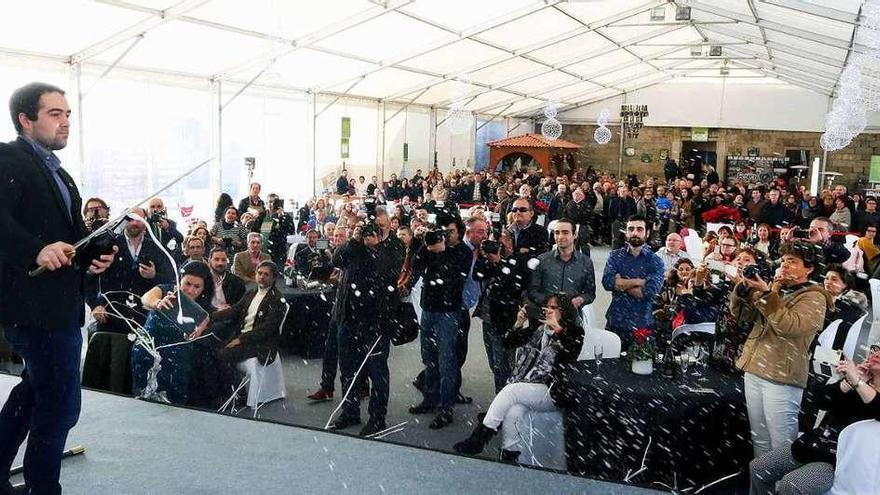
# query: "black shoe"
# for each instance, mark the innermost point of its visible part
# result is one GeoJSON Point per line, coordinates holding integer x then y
{"type": "Point", "coordinates": [419, 385]}
{"type": "Point", "coordinates": [442, 420]}
{"type": "Point", "coordinates": [475, 443]}
{"type": "Point", "coordinates": [463, 399]}
{"type": "Point", "coordinates": [372, 427]}
{"type": "Point", "coordinates": [10, 489]}
{"type": "Point", "coordinates": [510, 456]}
{"type": "Point", "coordinates": [343, 423]}
{"type": "Point", "coordinates": [422, 409]}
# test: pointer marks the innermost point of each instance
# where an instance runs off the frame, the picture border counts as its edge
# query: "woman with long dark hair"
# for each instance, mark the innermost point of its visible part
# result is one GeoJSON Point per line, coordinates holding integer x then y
{"type": "Point", "coordinates": [223, 202]}
{"type": "Point", "coordinates": [544, 350]}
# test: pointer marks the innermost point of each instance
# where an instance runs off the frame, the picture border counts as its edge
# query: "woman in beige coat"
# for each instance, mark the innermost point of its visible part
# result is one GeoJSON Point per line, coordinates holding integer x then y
{"type": "Point", "coordinates": [787, 314]}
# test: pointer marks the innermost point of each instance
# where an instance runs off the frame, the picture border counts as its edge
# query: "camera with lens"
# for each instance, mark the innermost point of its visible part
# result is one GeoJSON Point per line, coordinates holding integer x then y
{"type": "Point", "coordinates": [490, 246]}
{"type": "Point", "coordinates": [759, 270]}
{"type": "Point", "coordinates": [158, 216]}
{"type": "Point", "coordinates": [434, 237]}
{"type": "Point", "coordinates": [95, 223]}
{"type": "Point", "coordinates": [800, 234]}
{"type": "Point", "coordinates": [369, 229]}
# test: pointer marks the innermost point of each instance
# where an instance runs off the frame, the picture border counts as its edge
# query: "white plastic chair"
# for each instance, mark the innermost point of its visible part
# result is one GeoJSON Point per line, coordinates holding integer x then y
{"type": "Point", "coordinates": [609, 341]}
{"type": "Point", "coordinates": [265, 383]}
{"type": "Point", "coordinates": [588, 316]}
{"type": "Point", "coordinates": [858, 459]}
{"type": "Point", "coordinates": [694, 245]}
{"type": "Point", "coordinates": [826, 338]}
{"type": "Point", "coordinates": [852, 338]}
{"type": "Point", "coordinates": [874, 335]}
{"type": "Point", "coordinates": [544, 440]}
{"type": "Point", "coordinates": [416, 298]}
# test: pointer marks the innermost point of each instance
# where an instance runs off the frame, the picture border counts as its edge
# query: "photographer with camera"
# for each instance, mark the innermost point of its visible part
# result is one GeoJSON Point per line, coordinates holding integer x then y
{"type": "Point", "coordinates": [443, 270]}
{"type": "Point", "coordinates": [95, 214]}
{"type": "Point", "coordinates": [821, 234]}
{"type": "Point", "coordinates": [165, 230]}
{"type": "Point", "coordinates": [505, 282]}
{"type": "Point", "coordinates": [228, 233]}
{"type": "Point", "coordinates": [787, 313]}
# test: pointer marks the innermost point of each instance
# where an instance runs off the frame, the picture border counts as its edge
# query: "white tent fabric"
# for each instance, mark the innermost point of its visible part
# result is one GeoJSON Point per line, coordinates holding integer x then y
{"type": "Point", "coordinates": [517, 53]}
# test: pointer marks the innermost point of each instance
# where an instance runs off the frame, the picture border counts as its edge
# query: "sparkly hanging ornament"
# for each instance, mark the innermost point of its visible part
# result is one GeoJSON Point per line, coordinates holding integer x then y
{"type": "Point", "coordinates": [602, 135]}
{"type": "Point", "coordinates": [551, 129]}
{"type": "Point", "coordinates": [458, 120]}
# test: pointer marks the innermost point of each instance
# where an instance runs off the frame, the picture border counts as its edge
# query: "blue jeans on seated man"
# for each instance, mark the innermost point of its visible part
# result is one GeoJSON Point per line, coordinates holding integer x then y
{"type": "Point", "coordinates": [355, 341]}
{"type": "Point", "coordinates": [439, 338]}
{"type": "Point", "coordinates": [44, 406]}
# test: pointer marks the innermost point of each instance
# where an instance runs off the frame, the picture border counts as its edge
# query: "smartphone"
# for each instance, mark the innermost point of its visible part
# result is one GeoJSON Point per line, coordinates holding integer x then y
{"type": "Point", "coordinates": [432, 218]}
{"type": "Point", "coordinates": [322, 244]}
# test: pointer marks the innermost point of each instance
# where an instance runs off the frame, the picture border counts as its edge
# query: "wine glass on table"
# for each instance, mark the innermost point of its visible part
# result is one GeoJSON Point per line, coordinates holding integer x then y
{"type": "Point", "coordinates": [684, 360]}
{"type": "Point", "coordinates": [696, 352]}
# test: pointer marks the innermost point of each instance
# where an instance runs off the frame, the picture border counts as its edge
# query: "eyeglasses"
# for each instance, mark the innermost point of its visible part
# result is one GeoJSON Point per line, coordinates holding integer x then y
{"type": "Point", "coordinates": [728, 245]}
{"type": "Point", "coordinates": [521, 209]}
{"type": "Point", "coordinates": [875, 348]}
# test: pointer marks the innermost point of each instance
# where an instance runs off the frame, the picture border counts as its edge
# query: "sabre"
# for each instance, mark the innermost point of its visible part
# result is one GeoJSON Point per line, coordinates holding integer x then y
{"type": "Point", "coordinates": [115, 222]}
{"type": "Point", "coordinates": [79, 449]}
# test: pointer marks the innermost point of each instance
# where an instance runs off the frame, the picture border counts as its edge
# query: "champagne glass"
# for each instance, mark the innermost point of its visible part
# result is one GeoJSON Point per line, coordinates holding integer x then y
{"type": "Point", "coordinates": [598, 352]}
{"type": "Point", "coordinates": [696, 352]}
{"type": "Point", "coordinates": [683, 362]}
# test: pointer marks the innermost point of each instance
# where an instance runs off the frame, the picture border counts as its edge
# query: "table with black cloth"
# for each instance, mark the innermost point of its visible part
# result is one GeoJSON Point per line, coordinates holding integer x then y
{"type": "Point", "coordinates": [305, 330]}
{"type": "Point", "coordinates": [695, 438]}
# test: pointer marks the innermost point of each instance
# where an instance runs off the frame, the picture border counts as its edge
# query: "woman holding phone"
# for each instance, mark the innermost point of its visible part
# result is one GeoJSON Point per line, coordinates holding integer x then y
{"type": "Point", "coordinates": [807, 466]}
{"type": "Point", "coordinates": [545, 348]}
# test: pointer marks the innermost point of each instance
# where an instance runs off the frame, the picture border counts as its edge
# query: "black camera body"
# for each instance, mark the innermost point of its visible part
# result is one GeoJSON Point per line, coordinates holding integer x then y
{"type": "Point", "coordinates": [434, 237]}
{"type": "Point", "coordinates": [158, 216]}
{"type": "Point", "coordinates": [800, 234]}
{"type": "Point", "coordinates": [490, 246]}
{"type": "Point", "coordinates": [760, 270]}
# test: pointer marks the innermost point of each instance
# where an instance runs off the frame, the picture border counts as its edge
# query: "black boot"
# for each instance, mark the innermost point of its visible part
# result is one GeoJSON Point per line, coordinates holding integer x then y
{"type": "Point", "coordinates": [475, 443]}
{"type": "Point", "coordinates": [510, 456]}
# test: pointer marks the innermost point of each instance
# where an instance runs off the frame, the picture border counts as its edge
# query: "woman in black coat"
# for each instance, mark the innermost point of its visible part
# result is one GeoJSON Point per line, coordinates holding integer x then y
{"type": "Point", "coordinates": [546, 349]}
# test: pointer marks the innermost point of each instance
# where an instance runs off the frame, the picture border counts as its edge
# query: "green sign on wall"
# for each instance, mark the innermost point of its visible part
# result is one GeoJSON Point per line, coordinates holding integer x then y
{"type": "Point", "coordinates": [346, 135]}
{"type": "Point", "coordinates": [874, 174]}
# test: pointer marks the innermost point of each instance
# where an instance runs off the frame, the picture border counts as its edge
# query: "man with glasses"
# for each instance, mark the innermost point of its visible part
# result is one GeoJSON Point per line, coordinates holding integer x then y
{"type": "Point", "coordinates": [95, 213]}
{"type": "Point", "coordinates": [529, 239]}
{"type": "Point", "coordinates": [727, 250]}
{"type": "Point", "coordinates": [634, 276]}
{"type": "Point", "coordinates": [671, 252]}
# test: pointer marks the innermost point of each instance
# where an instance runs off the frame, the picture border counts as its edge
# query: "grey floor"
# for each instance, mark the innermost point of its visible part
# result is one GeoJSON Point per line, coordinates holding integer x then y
{"type": "Point", "coordinates": [303, 376]}
{"type": "Point", "coordinates": [135, 447]}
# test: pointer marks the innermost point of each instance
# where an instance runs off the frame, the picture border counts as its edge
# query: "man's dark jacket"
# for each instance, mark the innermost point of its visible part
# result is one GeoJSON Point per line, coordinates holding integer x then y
{"type": "Point", "coordinates": [32, 215]}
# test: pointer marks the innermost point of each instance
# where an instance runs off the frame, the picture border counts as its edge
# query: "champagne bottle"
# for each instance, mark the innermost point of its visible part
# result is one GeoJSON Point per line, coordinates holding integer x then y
{"type": "Point", "coordinates": [669, 366]}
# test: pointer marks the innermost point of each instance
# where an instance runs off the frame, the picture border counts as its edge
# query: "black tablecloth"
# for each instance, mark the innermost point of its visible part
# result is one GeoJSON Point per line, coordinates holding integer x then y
{"type": "Point", "coordinates": [612, 415]}
{"type": "Point", "coordinates": [305, 331]}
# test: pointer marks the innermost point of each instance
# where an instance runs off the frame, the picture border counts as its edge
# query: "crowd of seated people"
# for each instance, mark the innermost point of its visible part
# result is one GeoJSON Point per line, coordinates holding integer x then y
{"type": "Point", "coordinates": [465, 244]}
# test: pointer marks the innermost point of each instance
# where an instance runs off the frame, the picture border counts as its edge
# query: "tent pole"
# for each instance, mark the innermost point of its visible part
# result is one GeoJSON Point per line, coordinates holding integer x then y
{"type": "Point", "coordinates": [620, 151]}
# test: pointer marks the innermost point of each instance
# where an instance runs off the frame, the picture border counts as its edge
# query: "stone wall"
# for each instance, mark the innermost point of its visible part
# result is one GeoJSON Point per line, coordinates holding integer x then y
{"type": "Point", "coordinates": [853, 161]}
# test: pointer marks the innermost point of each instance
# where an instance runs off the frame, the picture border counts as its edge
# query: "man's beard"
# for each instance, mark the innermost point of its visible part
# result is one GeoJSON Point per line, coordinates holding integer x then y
{"type": "Point", "coordinates": [635, 241]}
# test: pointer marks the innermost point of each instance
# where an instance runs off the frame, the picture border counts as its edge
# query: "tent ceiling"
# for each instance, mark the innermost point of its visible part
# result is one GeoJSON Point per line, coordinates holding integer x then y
{"type": "Point", "coordinates": [515, 53]}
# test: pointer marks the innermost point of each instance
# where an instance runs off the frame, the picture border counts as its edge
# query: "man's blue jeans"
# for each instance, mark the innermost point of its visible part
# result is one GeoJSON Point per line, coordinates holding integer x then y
{"type": "Point", "coordinates": [44, 406]}
{"type": "Point", "coordinates": [439, 337]}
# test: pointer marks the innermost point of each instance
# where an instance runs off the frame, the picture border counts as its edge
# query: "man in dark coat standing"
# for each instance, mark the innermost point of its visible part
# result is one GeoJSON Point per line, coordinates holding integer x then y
{"type": "Point", "coordinates": [42, 315]}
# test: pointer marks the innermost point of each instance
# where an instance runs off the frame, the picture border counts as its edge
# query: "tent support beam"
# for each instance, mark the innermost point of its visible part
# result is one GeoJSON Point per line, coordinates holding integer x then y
{"type": "Point", "coordinates": [138, 29]}
{"type": "Point", "coordinates": [406, 106]}
{"type": "Point", "coordinates": [493, 117]}
{"type": "Point", "coordinates": [337, 98]}
{"type": "Point", "coordinates": [247, 85]}
{"type": "Point", "coordinates": [137, 39]}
